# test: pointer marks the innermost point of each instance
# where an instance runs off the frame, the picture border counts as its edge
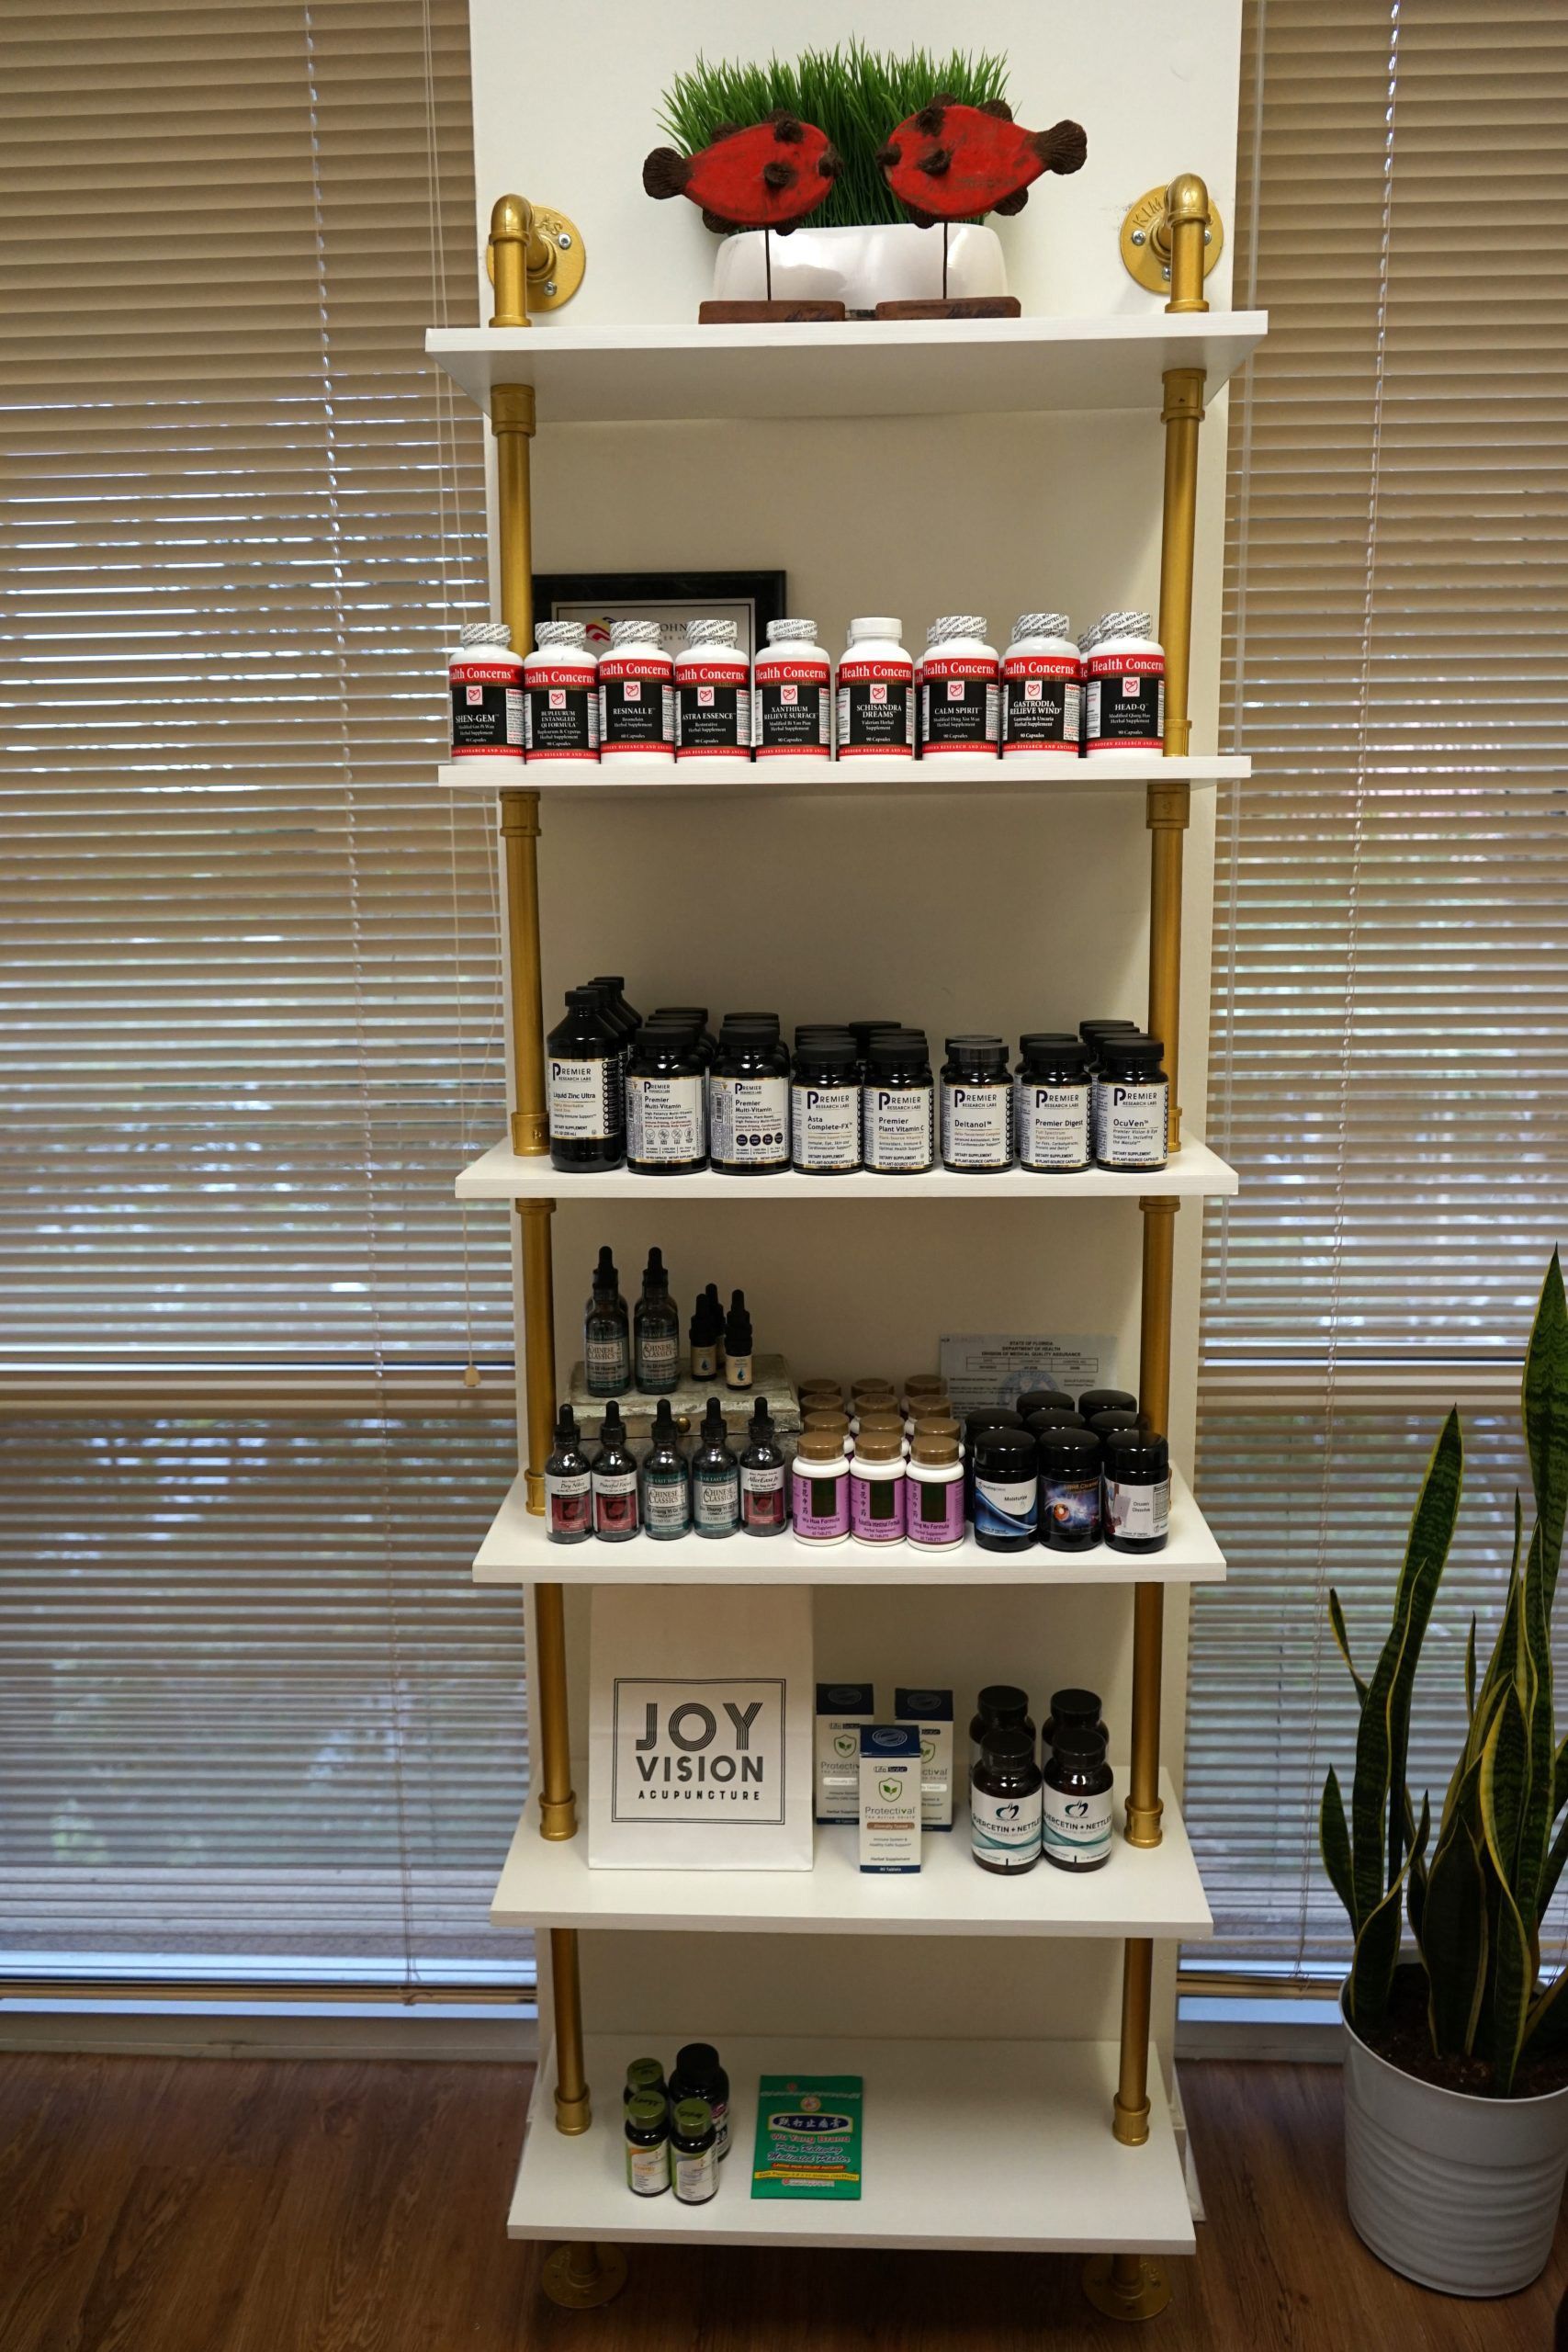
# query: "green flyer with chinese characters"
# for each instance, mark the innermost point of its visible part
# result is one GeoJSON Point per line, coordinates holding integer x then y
{"type": "Point", "coordinates": [808, 2136]}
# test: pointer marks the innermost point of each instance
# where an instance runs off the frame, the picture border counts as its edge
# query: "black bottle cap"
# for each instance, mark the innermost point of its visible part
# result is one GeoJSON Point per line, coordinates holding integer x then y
{"type": "Point", "coordinates": [751, 1023]}
{"type": "Point", "coordinates": [892, 1049]}
{"type": "Point", "coordinates": [697, 1012]}
{"type": "Point", "coordinates": [1007, 1745]}
{"type": "Point", "coordinates": [1111, 1424]}
{"type": "Point", "coordinates": [827, 1051]}
{"type": "Point", "coordinates": [585, 999]}
{"type": "Point", "coordinates": [713, 1423]}
{"type": "Point", "coordinates": [863, 1030]}
{"type": "Point", "coordinates": [664, 1430]}
{"type": "Point", "coordinates": [991, 1417]}
{"type": "Point", "coordinates": [1133, 1051]}
{"type": "Point", "coordinates": [1136, 1456]}
{"type": "Point", "coordinates": [1035, 1400]}
{"type": "Point", "coordinates": [1100, 1028]}
{"type": "Point", "coordinates": [605, 1274]}
{"type": "Point", "coordinates": [985, 1052]}
{"type": "Point", "coordinates": [616, 980]}
{"type": "Point", "coordinates": [611, 1428]}
{"type": "Point", "coordinates": [566, 1427]}
{"type": "Point", "coordinates": [698, 2061]}
{"type": "Point", "coordinates": [1107, 1400]}
{"type": "Point", "coordinates": [1001, 1703]}
{"type": "Point", "coordinates": [1048, 1424]}
{"type": "Point", "coordinates": [654, 1276]}
{"type": "Point", "coordinates": [1067, 1453]}
{"type": "Point", "coordinates": [1078, 1744]}
{"type": "Point", "coordinates": [1075, 1707]}
{"type": "Point", "coordinates": [1005, 1454]}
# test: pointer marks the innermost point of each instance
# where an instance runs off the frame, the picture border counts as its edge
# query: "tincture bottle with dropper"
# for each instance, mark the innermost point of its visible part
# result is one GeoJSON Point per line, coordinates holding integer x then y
{"type": "Point", "coordinates": [1042, 687]}
{"type": "Point", "coordinates": [665, 1481]}
{"type": "Point", "coordinates": [791, 693]}
{"type": "Point", "coordinates": [876, 696]}
{"type": "Point", "coordinates": [1004, 1802]}
{"type": "Point", "coordinates": [637, 695]}
{"type": "Point", "coordinates": [706, 1331]}
{"type": "Point", "coordinates": [656, 1332]}
{"type": "Point", "coordinates": [1000, 1706]}
{"type": "Point", "coordinates": [898, 1121]}
{"type": "Point", "coordinates": [977, 1106]}
{"type": "Point", "coordinates": [614, 1482]}
{"type": "Point", "coordinates": [748, 1101]}
{"type": "Point", "coordinates": [1077, 1800]}
{"type": "Point", "coordinates": [486, 680]}
{"type": "Point", "coordinates": [820, 1485]}
{"type": "Point", "coordinates": [712, 697]}
{"type": "Point", "coordinates": [714, 1318]}
{"type": "Point", "coordinates": [716, 1479]}
{"type": "Point", "coordinates": [560, 693]}
{"type": "Point", "coordinates": [825, 1105]}
{"type": "Point", "coordinates": [1135, 1103]}
{"type": "Point", "coordinates": [606, 1333]}
{"type": "Point", "coordinates": [738, 1366]}
{"type": "Point", "coordinates": [584, 1089]}
{"type": "Point", "coordinates": [762, 1501]}
{"type": "Point", "coordinates": [568, 1485]}
{"type": "Point", "coordinates": [960, 696]}
{"type": "Point", "coordinates": [666, 1102]}
{"type": "Point", "coordinates": [1051, 1104]}
{"type": "Point", "coordinates": [1126, 693]}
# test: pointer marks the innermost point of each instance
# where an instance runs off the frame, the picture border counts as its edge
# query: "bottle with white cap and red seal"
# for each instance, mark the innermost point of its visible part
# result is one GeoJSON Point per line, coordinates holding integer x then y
{"type": "Point", "coordinates": [876, 692]}
{"type": "Point", "coordinates": [713, 696]}
{"type": "Point", "coordinates": [1125, 693]}
{"type": "Point", "coordinates": [560, 694]}
{"type": "Point", "coordinates": [637, 695]}
{"type": "Point", "coordinates": [791, 691]}
{"type": "Point", "coordinates": [486, 679]}
{"type": "Point", "coordinates": [1042, 687]}
{"type": "Point", "coordinates": [960, 688]}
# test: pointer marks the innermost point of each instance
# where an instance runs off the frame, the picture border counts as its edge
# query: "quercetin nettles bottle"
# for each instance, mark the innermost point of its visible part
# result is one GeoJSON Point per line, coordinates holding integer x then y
{"type": "Point", "coordinates": [960, 692]}
{"type": "Point", "coordinates": [666, 1487]}
{"type": "Point", "coordinates": [1135, 1103]}
{"type": "Point", "coordinates": [825, 1105]}
{"type": "Point", "coordinates": [637, 695]}
{"type": "Point", "coordinates": [1000, 1706]}
{"type": "Point", "coordinates": [763, 1502]}
{"type": "Point", "coordinates": [584, 1088]}
{"type": "Point", "coordinates": [898, 1120]}
{"type": "Point", "coordinates": [1052, 1102]}
{"type": "Point", "coordinates": [712, 697]}
{"type": "Point", "coordinates": [1074, 1710]}
{"type": "Point", "coordinates": [977, 1106]}
{"type": "Point", "coordinates": [560, 693]}
{"type": "Point", "coordinates": [1004, 1802]}
{"type": "Point", "coordinates": [875, 691]}
{"type": "Point", "coordinates": [1041, 688]}
{"type": "Point", "coordinates": [665, 1101]}
{"type": "Point", "coordinates": [716, 1479]}
{"type": "Point", "coordinates": [606, 1333]}
{"type": "Point", "coordinates": [568, 1485]}
{"type": "Point", "coordinates": [791, 695]}
{"type": "Point", "coordinates": [486, 680]}
{"type": "Point", "coordinates": [1076, 1808]}
{"type": "Point", "coordinates": [614, 1482]}
{"type": "Point", "coordinates": [1125, 693]}
{"type": "Point", "coordinates": [656, 1332]}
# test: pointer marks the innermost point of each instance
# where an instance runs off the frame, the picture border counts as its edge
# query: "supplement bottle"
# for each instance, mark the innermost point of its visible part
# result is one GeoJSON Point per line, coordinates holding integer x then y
{"type": "Point", "coordinates": [791, 693]}
{"type": "Point", "coordinates": [1094, 1034]}
{"type": "Point", "coordinates": [1107, 1400]}
{"type": "Point", "coordinates": [656, 1332]}
{"type": "Point", "coordinates": [977, 1419]}
{"type": "Point", "coordinates": [1125, 690]}
{"type": "Point", "coordinates": [666, 1489]}
{"type": "Point", "coordinates": [820, 1485]}
{"type": "Point", "coordinates": [1077, 1801]}
{"type": "Point", "coordinates": [825, 1105]}
{"type": "Point", "coordinates": [1108, 1425]}
{"type": "Point", "coordinates": [712, 697]}
{"type": "Point", "coordinates": [1006, 1496]}
{"type": "Point", "coordinates": [977, 1106]}
{"type": "Point", "coordinates": [697, 2073]}
{"type": "Point", "coordinates": [691, 1016]}
{"type": "Point", "coordinates": [1054, 1417]}
{"type": "Point", "coordinates": [693, 2158]}
{"type": "Point", "coordinates": [584, 1088]}
{"type": "Point", "coordinates": [960, 689]}
{"type": "Point", "coordinates": [1137, 1497]}
{"type": "Point", "coordinates": [764, 1509]}
{"type": "Point", "coordinates": [1000, 1706]}
{"type": "Point", "coordinates": [716, 1479]}
{"type": "Point", "coordinates": [623, 1015]}
{"type": "Point", "coordinates": [877, 693]}
{"type": "Point", "coordinates": [1041, 688]}
{"type": "Point", "coordinates": [645, 2079]}
{"type": "Point", "coordinates": [917, 1385]}
{"type": "Point", "coordinates": [898, 1120]}
{"type": "Point", "coordinates": [647, 2143]}
{"type": "Point", "coordinates": [1004, 1802]}
{"type": "Point", "coordinates": [568, 1497]}
{"type": "Point", "coordinates": [934, 1499]}
{"type": "Point", "coordinates": [737, 1361]}
{"type": "Point", "coordinates": [637, 695]}
{"type": "Point", "coordinates": [560, 694]}
{"type": "Point", "coordinates": [486, 680]}
{"type": "Point", "coordinates": [1075, 1711]}
{"type": "Point", "coordinates": [606, 1333]}
{"type": "Point", "coordinates": [760, 1023]}
{"type": "Point", "coordinates": [748, 1101]}
{"type": "Point", "coordinates": [614, 1482]}
{"type": "Point", "coordinates": [666, 1102]}
{"type": "Point", "coordinates": [863, 1032]}
{"type": "Point", "coordinates": [1069, 1488]}
{"type": "Point", "coordinates": [1134, 1103]}
{"type": "Point", "coordinates": [1087, 644]}
{"type": "Point", "coordinates": [877, 1487]}
{"type": "Point", "coordinates": [1042, 1400]}
{"type": "Point", "coordinates": [1052, 1098]}
{"type": "Point", "coordinates": [706, 1331]}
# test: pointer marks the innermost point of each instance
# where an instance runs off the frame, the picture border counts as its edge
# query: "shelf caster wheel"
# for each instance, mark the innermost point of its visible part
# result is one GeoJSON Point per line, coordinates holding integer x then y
{"type": "Point", "coordinates": [581, 2275]}
{"type": "Point", "coordinates": [1125, 2286]}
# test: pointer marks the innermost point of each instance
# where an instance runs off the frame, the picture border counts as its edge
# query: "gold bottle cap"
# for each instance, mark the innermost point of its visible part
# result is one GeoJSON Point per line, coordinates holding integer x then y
{"type": "Point", "coordinates": [925, 1384]}
{"type": "Point", "coordinates": [871, 1389]}
{"type": "Point", "coordinates": [939, 1425]}
{"type": "Point", "coordinates": [930, 1447]}
{"type": "Point", "coordinates": [828, 1418]}
{"type": "Point", "coordinates": [819, 1385]}
{"type": "Point", "coordinates": [820, 1445]}
{"type": "Point", "coordinates": [873, 1418]}
{"type": "Point", "coordinates": [880, 1445]}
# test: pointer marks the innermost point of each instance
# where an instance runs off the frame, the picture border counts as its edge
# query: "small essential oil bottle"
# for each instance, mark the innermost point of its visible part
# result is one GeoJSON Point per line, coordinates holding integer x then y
{"type": "Point", "coordinates": [637, 695]}
{"type": "Point", "coordinates": [960, 689]}
{"type": "Point", "coordinates": [614, 1482]}
{"type": "Point", "coordinates": [899, 1124]}
{"type": "Point", "coordinates": [664, 1480]}
{"type": "Point", "coordinates": [820, 1485]}
{"type": "Point", "coordinates": [1007, 1489]}
{"type": "Point", "coordinates": [656, 1332]}
{"type": "Point", "coordinates": [1041, 688]}
{"type": "Point", "coordinates": [584, 1090]}
{"type": "Point", "coordinates": [716, 1479]}
{"type": "Point", "coordinates": [1069, 1488]}
{"type": "Point", "coordinates": [693, 2151]}
{"type": "Point", "coordinates": [1126, 693]}
{"type": "Point", "coordinates": [825, 1105]}
{"type": "Point", "coordinates": [738, 1360]}
{"type": "Point", "coordinates": [713, 696]}
{"type": "Point", "coordinates": [877, 1486]}
{"type": "Point", "coordinates": [486, 680]}
{"type": "Point", "coordinates": [763, 1506]}
{"type": "Point", "coordinates": [791, 693]}
{"type": "Point", "coordinates": [1077, 1800]}
{"type": "Point", "coordinates": [1135, 1103]}
{"type": "Point", "coordinates": [1136, 1491]}
{"type": "Point", "coordinates": [606, 1333]}
{"type": "Point", "coordinates": [977, 1106]}
{"type": "Point", "coordinates": [876, 692]}
{"type": "Point", "coordinates": [568, 1486]}
{"type": "Point", "coordinates": [1004, 1802]}
{"type": "Point", "coordinates": [560, 693]}
{"type": "Point", "coordinates": [1000, 1706]}
{"type": "Point", "coordinates": [706, 1330]}
{"type": "Point", "coordinates": [667, 1127]}
{"type": "Point", "coordinates": [1051, 1104]}
{"type": "Point", "coordinates": [1074, 1711]}
{"type": "Point", "coordinates": [934, 1503]}
{"type": "Point", "coordinates": [647, 2143]}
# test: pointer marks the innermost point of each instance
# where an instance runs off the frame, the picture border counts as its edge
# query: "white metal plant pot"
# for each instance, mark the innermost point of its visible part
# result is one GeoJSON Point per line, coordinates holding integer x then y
{"type": "Point", "coordinates": [889, 262]}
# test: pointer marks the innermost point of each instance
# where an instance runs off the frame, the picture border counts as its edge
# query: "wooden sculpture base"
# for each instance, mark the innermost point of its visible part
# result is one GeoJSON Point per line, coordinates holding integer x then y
{"type": "Point", "coordinates": [778, 314]}
{"type": "Point", "coordinates": [961, 306]}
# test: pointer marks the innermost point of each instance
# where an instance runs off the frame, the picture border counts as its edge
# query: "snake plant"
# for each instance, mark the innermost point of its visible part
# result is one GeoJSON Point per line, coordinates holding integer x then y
{"type": "Point", "coordinates": [1475, 1908]}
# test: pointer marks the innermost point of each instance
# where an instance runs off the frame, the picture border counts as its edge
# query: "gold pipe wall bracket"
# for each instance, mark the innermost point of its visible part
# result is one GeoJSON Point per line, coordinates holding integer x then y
{"type": "Point", "coordinates": [582, 2276]}
{"type": "Point", "coordinates": [1146, 239]}
{"type": "Point", "coordinates": [535, 259]}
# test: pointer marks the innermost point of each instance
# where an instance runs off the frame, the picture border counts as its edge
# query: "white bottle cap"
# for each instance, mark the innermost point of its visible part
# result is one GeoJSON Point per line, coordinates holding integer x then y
{"type": "Point", "coordinates": [486, 633]}
{"type": "Point", "coordinates": [634, 632]}
{"type": "Point", "coordinates": [791, 632]}
{"type": "Point", "coordinates": [573, 633]}
{"type": "Point", "coordinates": [1041, 625]}
{"type": "Point", "coordinates": [956, 625]}
{"type": "Point", "coordinates": [874, 625]}
{"type": "Point", "coordinates": [712, 633]}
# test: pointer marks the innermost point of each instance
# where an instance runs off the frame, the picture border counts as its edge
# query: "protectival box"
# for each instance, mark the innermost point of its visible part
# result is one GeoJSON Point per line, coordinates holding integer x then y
{"type": "Point", "coordinates": [890, 1798]}
{"type": "Point", "coordinates": [931, 1711]}
{"type": "Point", "coordinates": [842, 1709]}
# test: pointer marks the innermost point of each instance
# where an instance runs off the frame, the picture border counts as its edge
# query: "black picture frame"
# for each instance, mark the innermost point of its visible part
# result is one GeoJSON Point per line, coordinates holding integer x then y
{"type": "Point", "coordinates": [751, 598]}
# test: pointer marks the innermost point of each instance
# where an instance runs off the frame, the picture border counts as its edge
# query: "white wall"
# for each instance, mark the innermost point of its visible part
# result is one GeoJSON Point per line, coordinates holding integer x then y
{"type": "Point", "coordinates": [986, 914]}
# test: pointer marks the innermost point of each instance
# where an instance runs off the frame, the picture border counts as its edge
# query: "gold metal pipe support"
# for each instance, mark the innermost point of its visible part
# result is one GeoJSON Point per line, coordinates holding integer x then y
{"type": "Point", "coordinates": [1168, 814]}
{"type": "Point", "coordinates": [511, 422]}
{"type": "Point", "coordinates": [512, 417]}
{"type": "Point", "coordinates": [574, 2107]}
{"type": "Point", "coordinates": [581, 2275]}
{"type": "Point", "coordinates": [1183, 416]}
{"type": "Point", "coordinates": [517, 249]}
{"type": "Point", "coordinates": [538, 1342]}
{"type": "Point", "coordinates": [1130, 2117]}
{"type": "Point", "coordinates": [1144, 1803]}
{"type": "Point", "coordinates": [1126, 2286]}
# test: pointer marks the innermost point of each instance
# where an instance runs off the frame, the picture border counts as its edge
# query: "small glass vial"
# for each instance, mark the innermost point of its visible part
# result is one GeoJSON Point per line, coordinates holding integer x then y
{"type": "Point", "coordinates": [1135, 1103]}
{"type": "Point", "coordinates": [584, 1088]}
{"type": "Point", "coordinates": [716, 1479]}
{"type": "Point", "coordinates": [486, 680]}
{"type": "Point", "coordinates": [636, 696]}
{"type": "Point", "coordinates": [568, 1486]}
{"type": "Point", "coordinates": [1125, 692]}
{"type": "Point", "coordinates": [748, 1101]}
{"type": "Point", "coordinates": [1041, 688]}
{"type": "Point", "coordinates": [666, 1128]}
{"type": "Point", "coordinates": [933, 1514]}
{"type": "Point", "coordinates": [1136, 1501]}
{"type": "Point", "coordinates": [876, 692]}
{"type": "Point", "coordinates": [614, 1482]}
{"type": "Point", "coordinates": [763, 1506]}
{"type": "Point", "coordinates": [1000, 1706]}
{"type": "Point", "coordinates": [712, 697]}
{"type": "Point", "coordinates": [825, 1105]}
{"type": "Point", "coordinates": [1069, 1488]}
{"type": "Point", "coordinates": [693, 2151]}
{"type": "Point", "coordinates": [606, 1333]}
{"type": "Point", "coordinates": [820, 1485]}
{"type": "Point", "coordinates": [792, 695]}
{"type": "Point", "coordinates": [1051, 1103]}
{"type": "Point", "coordinates": [877, 1487]}
{"type": "Point", "coordinates": [665, 1481]}
{"type": "Point", "coordinates": [1076, 1809]}
{"type": "Point", "coordinates": [977, 1106]}
{"type": "Point", "coordinates": [1004, 1802]}
{"type": "Point", "coordinates": [898, 1119]}
{"type": "Point", "coordinates": [1007, 1490]}
{"type": "Point", "coordinates": [560, 692]}
{"type": "Point", "coordinates": [656, 1332]}
{"type": "Point", "coordinates": [647, 2143]}
{"type": "Point", "coordinates": [960, 689]}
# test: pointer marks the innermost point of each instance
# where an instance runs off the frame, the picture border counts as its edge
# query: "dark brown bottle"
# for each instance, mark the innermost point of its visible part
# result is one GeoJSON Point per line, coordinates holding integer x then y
{"type": "Point", "coordinates": [999, 1706]}
{"type": "Point", "coordinates": [1076, 1811]}
{"type": "Point", "coordinates": [1004, 1792]}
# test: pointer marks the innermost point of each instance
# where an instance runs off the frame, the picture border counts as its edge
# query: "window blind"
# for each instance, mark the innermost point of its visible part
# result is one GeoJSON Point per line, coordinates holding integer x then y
{"type": "Point", "coordinates": [1389, 1011]}
{"type": "Point", "coordinates": [254, 1712]}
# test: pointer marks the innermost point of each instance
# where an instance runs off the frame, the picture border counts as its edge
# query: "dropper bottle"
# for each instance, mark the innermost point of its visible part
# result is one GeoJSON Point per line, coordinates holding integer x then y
{"type": "Point", "coordinates": [737, 1368]}
{"type": "Point", "coordinates": [656, 1331]}
{"type": "Point", "coordinates": [606, 1336]}
{"type": "Point", "coordinates": [716, 1479]}
{"type": "Point", "coordinates": [763, 1508]}
{"type": "Point", "coordinates": [706, 1330]}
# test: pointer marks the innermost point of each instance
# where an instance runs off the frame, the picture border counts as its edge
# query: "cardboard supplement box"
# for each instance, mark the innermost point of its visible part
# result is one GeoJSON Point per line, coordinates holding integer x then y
{"type": "Point", "coordinates": [842, 1709]}
{"type": "Point", "coordinates": [890, 1798]}
{"type": "Point", "coordinates": [931, 1711]}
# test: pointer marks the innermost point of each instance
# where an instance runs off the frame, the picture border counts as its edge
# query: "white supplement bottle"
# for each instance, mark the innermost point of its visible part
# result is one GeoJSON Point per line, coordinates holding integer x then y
{"type": "Point", "coordinates": [1087, 644]}
{"type": "Point", "coordinates": [486, 679]}
{"type": "Point", "coordinates": [876, 692]}
{"type": "Point", "coordinates": [637, 695]}
{"type": "Point", "coordinates": [1042, 687]}
{"type": "Point", "coordinates": [791, 695]}
{"type": "Point", "coordinates": [712, 697]}
{"type": "Point", "coordinates": [1125, 693]}
{"type": "Point", "coordinates": [960, 689]}
{"type": "Point", "coordinates": [560, 686]}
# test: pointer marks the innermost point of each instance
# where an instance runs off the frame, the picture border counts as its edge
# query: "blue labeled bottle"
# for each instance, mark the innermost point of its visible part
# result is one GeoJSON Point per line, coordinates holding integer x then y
{"type": "Point", "coordinates": [716, 1479]}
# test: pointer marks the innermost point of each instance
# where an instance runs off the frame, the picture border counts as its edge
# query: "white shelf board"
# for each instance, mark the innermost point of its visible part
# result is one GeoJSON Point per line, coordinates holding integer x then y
{"type": "Point", "coordinates": [518, 1550]}
{"type": "Point", "coordinates": [857, 367]}
{"type": "Point", "coordinates": [993, 2146]}
{"type": "Point", "coordinates": [630, 778]}
{"type": "Point", "coordinates": [500, 1174]}
{"type": "Point", "coordinates": [1154, 1891]}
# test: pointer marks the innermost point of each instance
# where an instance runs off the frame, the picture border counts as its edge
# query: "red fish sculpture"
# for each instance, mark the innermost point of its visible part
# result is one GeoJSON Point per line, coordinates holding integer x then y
{"type": "Point", "coordinates": [953, 162]}
{"type": "Point", "coordinates": [770, 177]}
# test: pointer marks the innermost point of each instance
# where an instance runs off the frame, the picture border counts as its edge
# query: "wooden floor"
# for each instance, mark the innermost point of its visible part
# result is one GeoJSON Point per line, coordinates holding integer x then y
{"type": "Point", "coordinates": [214, 2205]}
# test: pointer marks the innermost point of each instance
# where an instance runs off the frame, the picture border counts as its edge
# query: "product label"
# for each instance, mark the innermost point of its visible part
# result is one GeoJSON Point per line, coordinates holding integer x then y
{"type": "Point", "coordinates": [1077, 1828]}
{"type": "Point", "coordinates": [876, 1509]}
{"type": "Point", "coordinates": [876, 707]}
{"type": "Point", "coordinates": [790, 708]}
{"type": "Point", "coordinates": [1069, 1508]}
{"type": "Point", "coordinates": [636, 703]}
{"type": "Point", "coordinates": [695, 2178]}
{"type": "Point", "coordinates": [712, 710]}
{"type": "Point", "coordinates": [665, 1120]}
{"type": "Point", "coordinates": [720, 2110]}
{"type": "Point", "coordinates": [615, 1502]}
{"type": "Point", "coordinates": [658, 1358]}
{"type": "Point", "coordinates": [648, 2169]}
{"type": "Point", "coordinates": [607, 1364]}
{"type": "Point", "coordinates": [1042, 699]}
{"type": "Point", "coordinates": [581, 1100]}
{"type": "Point", "coordinates": [568, 1503]}
{"type": "Point", "coordinates": [1005, 1831]}
{"type": "Point", "coordinates": [900, 1126]}
{"type": "Point", "coordinates": [1006, 1506]}
{"type": "Point", "coordinates": [1141, 1511]}
{"type": "Point", "coordinates": [825, 1123]}
{"type": "Point", "coordinates": [1132, 1123]}
{"type": "Point", "coordinates": [959, 702]}
{"type": "Point", "coordinates": [562, 713]}
{"type": "Point", "coordinates": [1052, 1124]}
{"type": "Point", "coordinates": [809, 2138]}
{"type": "Point", "coordinates": [819, 1506]}
{"type": "Point", "coordinates": [935, 1510]}
{"type": "Point", "coordinates": [487, 710]}
{"type": "Point", "coordinates": [665, 1505]}
{"type": "Point", "coordinates": [890, 1798]}
{"type": "Point", "coordinates": [843, 1711]}
{"type": "Point", "coordinates": [750, 1121]}
{"type": "Point", "coordinates": [716, 1499]}
{"type": "Point", "coordinates": [976, 1123]}
{"type": "Point", "coordinates": [763, 1496]}
{"type": "Point", "coordinates": [1125, 702]}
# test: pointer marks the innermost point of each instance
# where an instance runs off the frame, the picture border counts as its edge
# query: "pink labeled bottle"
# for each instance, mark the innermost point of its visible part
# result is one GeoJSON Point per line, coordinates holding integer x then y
{"type": "Point", "coordinates": [877, 1486]}
{"type": "Point", "coordinates": [933, 1511]}
{"type": "Point", "coordinates": [820, 1485]}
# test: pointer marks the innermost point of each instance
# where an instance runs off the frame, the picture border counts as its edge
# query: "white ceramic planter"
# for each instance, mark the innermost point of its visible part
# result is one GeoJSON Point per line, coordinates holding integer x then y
{"type": "Point", "coordinates": [892, 262]}
{"type": "Point", "coordinates": [1456, 2192]}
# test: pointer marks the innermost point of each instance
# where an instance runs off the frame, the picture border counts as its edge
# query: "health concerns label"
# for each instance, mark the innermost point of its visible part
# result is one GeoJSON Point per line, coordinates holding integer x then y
{"type": "Point", "coordinates": [808, 2137]}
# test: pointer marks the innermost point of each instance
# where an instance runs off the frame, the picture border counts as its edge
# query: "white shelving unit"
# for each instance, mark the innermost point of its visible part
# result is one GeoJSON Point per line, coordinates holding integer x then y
{"type": "Point", "coordinates": [627, 778]}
